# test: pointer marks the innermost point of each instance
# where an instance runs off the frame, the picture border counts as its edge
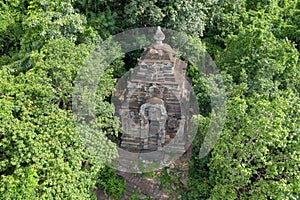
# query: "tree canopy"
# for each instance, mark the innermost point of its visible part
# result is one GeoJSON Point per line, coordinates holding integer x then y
{"type": "Point", "coordinates": [255, 46]}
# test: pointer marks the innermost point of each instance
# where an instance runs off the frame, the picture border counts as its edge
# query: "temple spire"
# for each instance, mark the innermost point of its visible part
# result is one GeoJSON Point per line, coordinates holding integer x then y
{"type": "Point", "coordinates": [159, 35]}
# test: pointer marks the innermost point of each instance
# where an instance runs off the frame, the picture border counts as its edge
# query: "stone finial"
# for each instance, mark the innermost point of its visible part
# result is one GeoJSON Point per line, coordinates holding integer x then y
{"type": "Point", "coordinates": [159, 36]}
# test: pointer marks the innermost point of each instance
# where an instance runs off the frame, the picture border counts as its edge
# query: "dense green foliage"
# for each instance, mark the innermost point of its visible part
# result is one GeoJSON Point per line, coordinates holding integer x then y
{"type": "Point", "coordinates": [255, 45]}
{"type": "Point", "coordinates": [257, 155]}
{"type": "Point", "coordinates": [42, 156]}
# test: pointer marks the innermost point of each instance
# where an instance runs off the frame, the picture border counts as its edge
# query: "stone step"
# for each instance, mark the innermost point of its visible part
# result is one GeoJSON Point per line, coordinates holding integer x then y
{"type": "Point", "coordinates": [169, 79]}
{"type": "Point", "coordinates": [169, 74]}
{"type": "Point", "coordinates": [152, 142]}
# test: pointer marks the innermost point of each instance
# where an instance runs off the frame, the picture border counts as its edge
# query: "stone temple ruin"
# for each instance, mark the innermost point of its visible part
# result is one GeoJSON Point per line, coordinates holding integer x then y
{"type": "Point", "coordinates": [153, 102]}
